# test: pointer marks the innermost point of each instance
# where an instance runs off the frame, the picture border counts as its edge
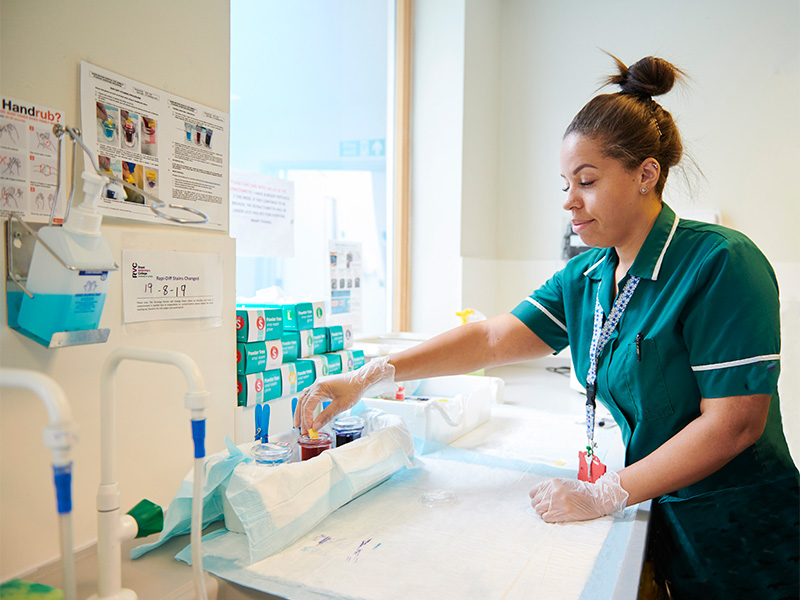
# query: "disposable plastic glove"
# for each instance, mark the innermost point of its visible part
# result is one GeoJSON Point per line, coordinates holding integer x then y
{"type": "Point", "coordinates": [343, 391]}
{"type": "Point", "coordinates": [559, 500]}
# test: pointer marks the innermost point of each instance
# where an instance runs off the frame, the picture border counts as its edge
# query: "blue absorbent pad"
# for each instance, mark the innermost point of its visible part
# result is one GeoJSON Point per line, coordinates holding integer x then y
{"type": "Point", "coordinates": [178, 520]}
{"type": "Point", "coordinates": [387, 543]}
{"type": "Point", "coordinates": [274, 507]}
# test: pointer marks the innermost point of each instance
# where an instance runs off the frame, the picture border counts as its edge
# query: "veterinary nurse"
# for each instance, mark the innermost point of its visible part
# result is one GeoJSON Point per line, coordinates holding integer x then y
{"type": "Point", "coordinates": [674, 326]}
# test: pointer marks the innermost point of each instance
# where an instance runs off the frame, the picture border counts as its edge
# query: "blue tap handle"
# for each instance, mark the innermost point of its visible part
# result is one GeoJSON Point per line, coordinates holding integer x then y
{"type": "Point", "coordinates": [294, 407]}
{"type": "Point", "coordinates": [258, 422]}
{"type": "Point", "coordinates": [265, 424]}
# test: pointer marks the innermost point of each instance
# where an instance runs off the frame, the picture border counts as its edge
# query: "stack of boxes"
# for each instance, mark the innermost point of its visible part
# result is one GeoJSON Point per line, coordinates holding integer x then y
{"type": "Point", "coordinates": [281, 349]}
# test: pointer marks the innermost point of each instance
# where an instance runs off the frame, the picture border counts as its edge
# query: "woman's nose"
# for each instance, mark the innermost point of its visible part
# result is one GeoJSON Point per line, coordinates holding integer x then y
{"type": "Point", "coordinates": [571, 199]}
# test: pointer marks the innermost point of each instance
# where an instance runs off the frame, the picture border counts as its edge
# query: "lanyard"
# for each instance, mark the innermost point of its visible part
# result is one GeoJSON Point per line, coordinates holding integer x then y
{"type": "Point", "coordinates": [600, 335]}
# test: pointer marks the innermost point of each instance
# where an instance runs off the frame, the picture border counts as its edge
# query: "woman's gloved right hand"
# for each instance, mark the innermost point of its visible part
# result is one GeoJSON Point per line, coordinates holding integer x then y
{"type": "Point", "coordinates": [343, 391]}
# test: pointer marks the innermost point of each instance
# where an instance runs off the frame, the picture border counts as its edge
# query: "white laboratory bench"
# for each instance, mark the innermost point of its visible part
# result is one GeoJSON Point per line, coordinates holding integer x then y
{"type": "Point", "coordinates": [534, 399]}
{"type": "Point", "coordinates": [538, 387]}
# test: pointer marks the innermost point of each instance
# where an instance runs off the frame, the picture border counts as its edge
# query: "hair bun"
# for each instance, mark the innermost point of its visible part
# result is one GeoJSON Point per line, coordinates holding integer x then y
{"type": "Point", "coordinates": [647, 77]}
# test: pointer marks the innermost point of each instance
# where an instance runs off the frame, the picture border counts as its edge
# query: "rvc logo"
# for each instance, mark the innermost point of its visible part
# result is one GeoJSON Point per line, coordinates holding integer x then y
{"type": "Point", "coordinates": [134, 269]}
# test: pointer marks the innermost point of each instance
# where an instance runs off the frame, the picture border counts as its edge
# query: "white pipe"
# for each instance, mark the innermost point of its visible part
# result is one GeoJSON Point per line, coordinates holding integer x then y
{"type": "Point", "coordinates": [197, 530]}
{"type": "Point", "coordinates": [54, 398]}
{"type": "Point", "coordinates": [68, 578]}
{"type": "Point", "coordinates": [59, 437]}
{"type": "Point", "coordinates": [108, 448]}
{"type": "Point", "coordinates": [111, 529]}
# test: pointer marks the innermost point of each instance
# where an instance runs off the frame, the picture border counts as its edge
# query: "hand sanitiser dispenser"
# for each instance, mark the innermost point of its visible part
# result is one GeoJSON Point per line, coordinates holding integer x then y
{"type": "Point", "coordinates": [68, 275]}
{"type": "Point", "coordinates": [57, 286]}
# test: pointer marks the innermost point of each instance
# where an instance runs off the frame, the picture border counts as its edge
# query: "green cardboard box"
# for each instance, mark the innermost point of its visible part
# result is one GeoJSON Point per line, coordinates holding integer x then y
{"type": "Point", "coordinates": [347, 330]}
{"type": "Point", "coordinates": [334, 361]}
{"type": "Point", "coordinates": [313, 341]}
{"type": "Point", "coordinates": [303, 315]}
{"type": "Point", "coordinates": [335, 338]}
{"type": "Point", "coordinates": [258, 357]}
{"type": "Point", "coordinates": [320, 366]}
{"type": "Point", "coordinates": [306, 373]}
{"type": "Point", "coordinates": [288, 379]}
{"type": "Point", "coordinates": [256, 388]}
{"type": "Point", "coordinates": [290, 340]}
{"type": "Point", "coordinates": [258, 324]}
{"type": "Point", "coordinates": [320, 340]}
{"type": "Point", "coordinates": [351, 359]}
{"type": "Point", "coordinates": [310, 315]}
{"type": "Point", "coordinates": [306, 343]}
{"type": "Point", "coordinates": [288, 314]}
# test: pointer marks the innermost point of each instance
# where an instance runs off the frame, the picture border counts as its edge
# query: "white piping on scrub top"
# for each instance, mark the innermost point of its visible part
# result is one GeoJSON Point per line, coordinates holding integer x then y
{"type": "Point", "coordinates": [737, 363]}
{"type": "Point", "coordinates": [590, 269]}
{"type": "Point", "coordinates": [664, 249]}
{"type": "Point", "coordinates": [547, 312]}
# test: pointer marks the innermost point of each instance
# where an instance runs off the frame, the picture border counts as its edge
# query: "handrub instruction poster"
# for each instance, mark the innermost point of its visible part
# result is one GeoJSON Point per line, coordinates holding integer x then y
{"type": "Point", "coordinates": [170, 147]}
{"type": "Point", "coordinates": [29, 161]}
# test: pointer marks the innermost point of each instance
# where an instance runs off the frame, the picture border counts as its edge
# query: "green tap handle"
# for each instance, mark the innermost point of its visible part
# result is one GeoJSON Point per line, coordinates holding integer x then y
{"type": "Point", "coordinates": [149, 517]}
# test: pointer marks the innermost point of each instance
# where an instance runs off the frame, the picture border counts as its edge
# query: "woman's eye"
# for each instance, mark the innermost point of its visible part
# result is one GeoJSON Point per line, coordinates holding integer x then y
{"type": "Point", "coordinates": [587, 183]}
{"type": "Point", "coordinates": [565, 189]}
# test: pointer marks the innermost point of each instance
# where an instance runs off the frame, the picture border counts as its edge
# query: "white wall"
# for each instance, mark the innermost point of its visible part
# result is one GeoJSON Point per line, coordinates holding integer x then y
{"type": "Point", "coordinates": [738, 114]}
{"type": "Point", "coordinates": [182, 47]}
{"type": "Point", "coordinates": [530, 65]}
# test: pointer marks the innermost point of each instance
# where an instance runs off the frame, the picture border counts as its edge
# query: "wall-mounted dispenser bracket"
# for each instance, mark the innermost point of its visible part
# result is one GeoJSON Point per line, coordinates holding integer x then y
{"type": "Point", "coordinates": [21, 237]}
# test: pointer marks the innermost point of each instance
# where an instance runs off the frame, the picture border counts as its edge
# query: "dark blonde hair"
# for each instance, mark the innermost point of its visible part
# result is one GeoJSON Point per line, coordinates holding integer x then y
{"type": "Point", "coordinates": [630, 125]}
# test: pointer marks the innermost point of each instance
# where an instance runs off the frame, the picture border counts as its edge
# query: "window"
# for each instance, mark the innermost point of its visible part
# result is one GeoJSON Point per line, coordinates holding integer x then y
{"type": "Point", "coordinates": [311, 102]}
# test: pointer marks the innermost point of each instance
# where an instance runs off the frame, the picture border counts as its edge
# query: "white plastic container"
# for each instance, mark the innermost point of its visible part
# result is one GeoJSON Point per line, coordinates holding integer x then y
{"type": "Point", "coordinates": [65, 299]}
{"type": "Point", "coordinates": [456, 405]}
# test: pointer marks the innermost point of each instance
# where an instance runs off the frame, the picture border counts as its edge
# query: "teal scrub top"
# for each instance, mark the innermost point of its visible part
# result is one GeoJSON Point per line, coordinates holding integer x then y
{"type": "Point", "coordinates": [706, 313]}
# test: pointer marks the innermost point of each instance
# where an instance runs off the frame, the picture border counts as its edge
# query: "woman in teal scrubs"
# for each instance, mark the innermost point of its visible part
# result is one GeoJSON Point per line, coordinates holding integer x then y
{"type": "Point", "coordinates": [674, 325]}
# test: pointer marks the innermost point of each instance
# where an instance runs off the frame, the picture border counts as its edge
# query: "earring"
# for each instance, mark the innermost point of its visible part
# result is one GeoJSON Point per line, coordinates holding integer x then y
{"type": "Point", "coordinates": [644, 190]}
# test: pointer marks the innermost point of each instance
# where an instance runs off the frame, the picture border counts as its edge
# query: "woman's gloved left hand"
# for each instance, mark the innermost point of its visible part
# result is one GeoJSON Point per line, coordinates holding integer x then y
{"type": "Point", "coordinates": [559, 500]}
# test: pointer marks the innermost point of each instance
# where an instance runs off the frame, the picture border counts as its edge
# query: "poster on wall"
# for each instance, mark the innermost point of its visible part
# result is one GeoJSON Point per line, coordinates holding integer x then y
{"type": "Point", "coordinates": [29, 161]}
{"type": "Point", "coordinates": [159, 286]}
{"type": "Point", "coordinates": [346, 278]}
{"type": "Point", "coordinates": [170, 147]}
{"type": "Point", "coordinates": [262, 214]}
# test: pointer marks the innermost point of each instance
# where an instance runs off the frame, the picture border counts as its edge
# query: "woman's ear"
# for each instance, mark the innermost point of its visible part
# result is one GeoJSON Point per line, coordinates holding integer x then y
{"type": "Point", "coordinates": [650, 172]}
